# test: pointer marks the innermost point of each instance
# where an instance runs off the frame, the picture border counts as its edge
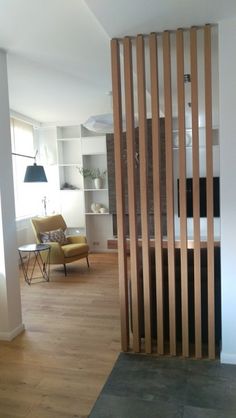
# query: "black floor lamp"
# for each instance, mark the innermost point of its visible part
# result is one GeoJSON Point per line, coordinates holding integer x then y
{"type": "Point", "coordinates": [34, 173]}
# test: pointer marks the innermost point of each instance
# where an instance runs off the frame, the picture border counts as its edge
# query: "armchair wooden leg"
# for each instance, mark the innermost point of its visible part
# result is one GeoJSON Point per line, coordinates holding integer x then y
{"type": "Point", "coordinates": [65, 270]}
{"type": "Point", "coordinates": [87, 261]}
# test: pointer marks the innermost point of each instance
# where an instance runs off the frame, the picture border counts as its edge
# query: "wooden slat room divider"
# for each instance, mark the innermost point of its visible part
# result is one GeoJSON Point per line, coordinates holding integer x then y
{"type": "Point", "coordinates": [196, 194]}
{"type": "Point", "coordinates": [129, 106]}
{"type": "Point", "coordinates": [169, 190]}
{"type": "Point", "coordinates": [143, 163]}
{"type": "Point", "coordinates": [156, 150]}
{"type": "Point", "coordinates": [209, 192]}
{"type": "Point", "coordinates": [119, 167]}
{"type": "Point", "coordinates": [157, 306]}
{"type": "Point", "coordinates": [182, 191]}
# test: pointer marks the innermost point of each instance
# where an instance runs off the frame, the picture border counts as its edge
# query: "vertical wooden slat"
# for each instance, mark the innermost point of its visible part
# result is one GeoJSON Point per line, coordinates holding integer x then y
{"type": "Point", "coordinates": [157, 189]}
{"type": "Point", "coordinates": [182, 192]}
{"type": "Point", "coordinates": [122, 258]}
{"type": "Point", "coordinates": [196, 194]}
{"type": "Point", "coordinates": [209, 190]}
{"type": "Point", "coordinates": [143, 162]}
{"type": "Point", "coordinates": [169, 190]}
{"type": "Point", "coordinates": [130, 139]}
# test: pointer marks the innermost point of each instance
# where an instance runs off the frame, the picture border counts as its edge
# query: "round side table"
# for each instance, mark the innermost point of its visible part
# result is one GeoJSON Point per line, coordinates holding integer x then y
{"type": "Point", "coordinates": [37, 255]}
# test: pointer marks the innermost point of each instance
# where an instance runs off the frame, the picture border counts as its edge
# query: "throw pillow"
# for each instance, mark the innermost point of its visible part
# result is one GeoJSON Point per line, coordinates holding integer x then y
{"type": "Point", "coordinates": [57, 235]}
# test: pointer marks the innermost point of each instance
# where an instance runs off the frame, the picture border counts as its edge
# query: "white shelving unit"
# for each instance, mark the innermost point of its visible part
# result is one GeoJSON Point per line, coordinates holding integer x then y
{"type": "Point", "coordinates": [69, 159]}
{"type": "Point", "coordinates": [98, 225]}
{"type": "Point", "coordinates": [65, 149]}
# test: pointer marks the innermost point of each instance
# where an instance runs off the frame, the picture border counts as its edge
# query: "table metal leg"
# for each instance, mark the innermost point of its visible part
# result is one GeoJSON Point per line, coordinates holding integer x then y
{"type": "Point", "coordinates": [43, 264]}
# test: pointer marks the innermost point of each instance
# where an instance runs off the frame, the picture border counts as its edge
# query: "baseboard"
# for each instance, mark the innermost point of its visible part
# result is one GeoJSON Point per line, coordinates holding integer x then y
{"type": "Point", "coordinates": [228, 358]}
{"type": "Point", "coordinates": [9, 336]}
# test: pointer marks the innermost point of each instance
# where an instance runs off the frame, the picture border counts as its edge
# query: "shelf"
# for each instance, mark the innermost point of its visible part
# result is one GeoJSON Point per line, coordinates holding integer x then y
{"type": "Point", "coordinates": [88, 190]}
{"type": "Point", "coordinates": [201, 147]}
{"type": "Point", "coordinates": [95, 214]}
{"type": "Point", "coordinates": [70, 165]}
{"type": "Point", "coordinates": [94, 153]}
{"type": "Point", "coordinates": [68, 139]}
{"type": "Point", "coordinates": [96, 190]}
{"type": "Point", "coordinates": [214, 128]}
{"type": "Point", "coordinates": [71, 190]}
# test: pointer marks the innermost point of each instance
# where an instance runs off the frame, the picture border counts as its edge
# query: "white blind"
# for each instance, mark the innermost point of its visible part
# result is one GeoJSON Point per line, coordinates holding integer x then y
{"type": "Point", "coordinates": [28, 196]}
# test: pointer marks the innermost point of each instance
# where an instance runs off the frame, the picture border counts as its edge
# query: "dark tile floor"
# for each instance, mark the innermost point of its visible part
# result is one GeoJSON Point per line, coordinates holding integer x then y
{"type": "Point", "coordinates": [150, 387]}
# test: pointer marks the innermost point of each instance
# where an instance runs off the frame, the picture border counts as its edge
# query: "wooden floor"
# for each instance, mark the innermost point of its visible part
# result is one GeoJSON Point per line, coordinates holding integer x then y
{"type": "Point", "coordinates": [57, 367]}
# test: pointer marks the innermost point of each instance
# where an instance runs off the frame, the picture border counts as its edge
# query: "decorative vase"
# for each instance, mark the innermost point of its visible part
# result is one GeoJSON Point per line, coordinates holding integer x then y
{"type": "Point", "coordinates": [95, 207]}
{"type": "Point", "coordinates": [103, 210]}
{"type": "Point", "coordinates": [98, 183]}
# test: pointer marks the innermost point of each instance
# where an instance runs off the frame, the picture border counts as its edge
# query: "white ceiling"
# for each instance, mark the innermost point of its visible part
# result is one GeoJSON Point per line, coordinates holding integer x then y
{"type": "Point", "coordinates": [59, 58]}
{"type": "Point", "coordinates": [129, 17]}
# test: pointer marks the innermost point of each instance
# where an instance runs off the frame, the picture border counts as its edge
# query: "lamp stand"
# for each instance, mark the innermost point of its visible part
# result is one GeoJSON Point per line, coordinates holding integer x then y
{"type": "Point", "coordinates": [45, 201]}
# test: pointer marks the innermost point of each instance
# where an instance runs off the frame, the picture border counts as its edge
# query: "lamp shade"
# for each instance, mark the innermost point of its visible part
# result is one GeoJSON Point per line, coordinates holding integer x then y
{"type": "Point", "coordinates": [35, 173]}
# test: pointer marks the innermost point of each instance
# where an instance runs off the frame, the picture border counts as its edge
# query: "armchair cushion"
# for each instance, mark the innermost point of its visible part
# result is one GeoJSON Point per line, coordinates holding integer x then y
{"type": "Point", "coordinates": [57, 235]}
{"type": "Point", "coordinates": [72, 250]}
{"type": "Point", "coordinates": [76, 239]}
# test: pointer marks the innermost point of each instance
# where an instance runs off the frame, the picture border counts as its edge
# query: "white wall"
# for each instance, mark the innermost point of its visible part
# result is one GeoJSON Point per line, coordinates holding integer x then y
{"type": "Point", "coordinates": [227, 69]}
{"type": "Point", "coordinates": [10, 302]}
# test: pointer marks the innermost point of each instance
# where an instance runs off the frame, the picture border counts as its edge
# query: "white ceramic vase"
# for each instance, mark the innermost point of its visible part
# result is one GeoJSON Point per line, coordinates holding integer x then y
{"type": "Point", "coordinates": [98, 183]}
{"type": "Point", "coordinates": [95, 207]}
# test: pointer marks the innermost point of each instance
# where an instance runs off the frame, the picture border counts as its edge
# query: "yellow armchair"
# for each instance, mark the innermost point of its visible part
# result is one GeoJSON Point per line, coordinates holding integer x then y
{"type": "Point", "coordinates": [74, 249]}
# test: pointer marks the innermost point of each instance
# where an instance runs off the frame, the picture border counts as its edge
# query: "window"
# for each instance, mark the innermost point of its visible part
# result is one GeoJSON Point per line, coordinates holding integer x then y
{"type": "Point", "coordinates": [27, 195]}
